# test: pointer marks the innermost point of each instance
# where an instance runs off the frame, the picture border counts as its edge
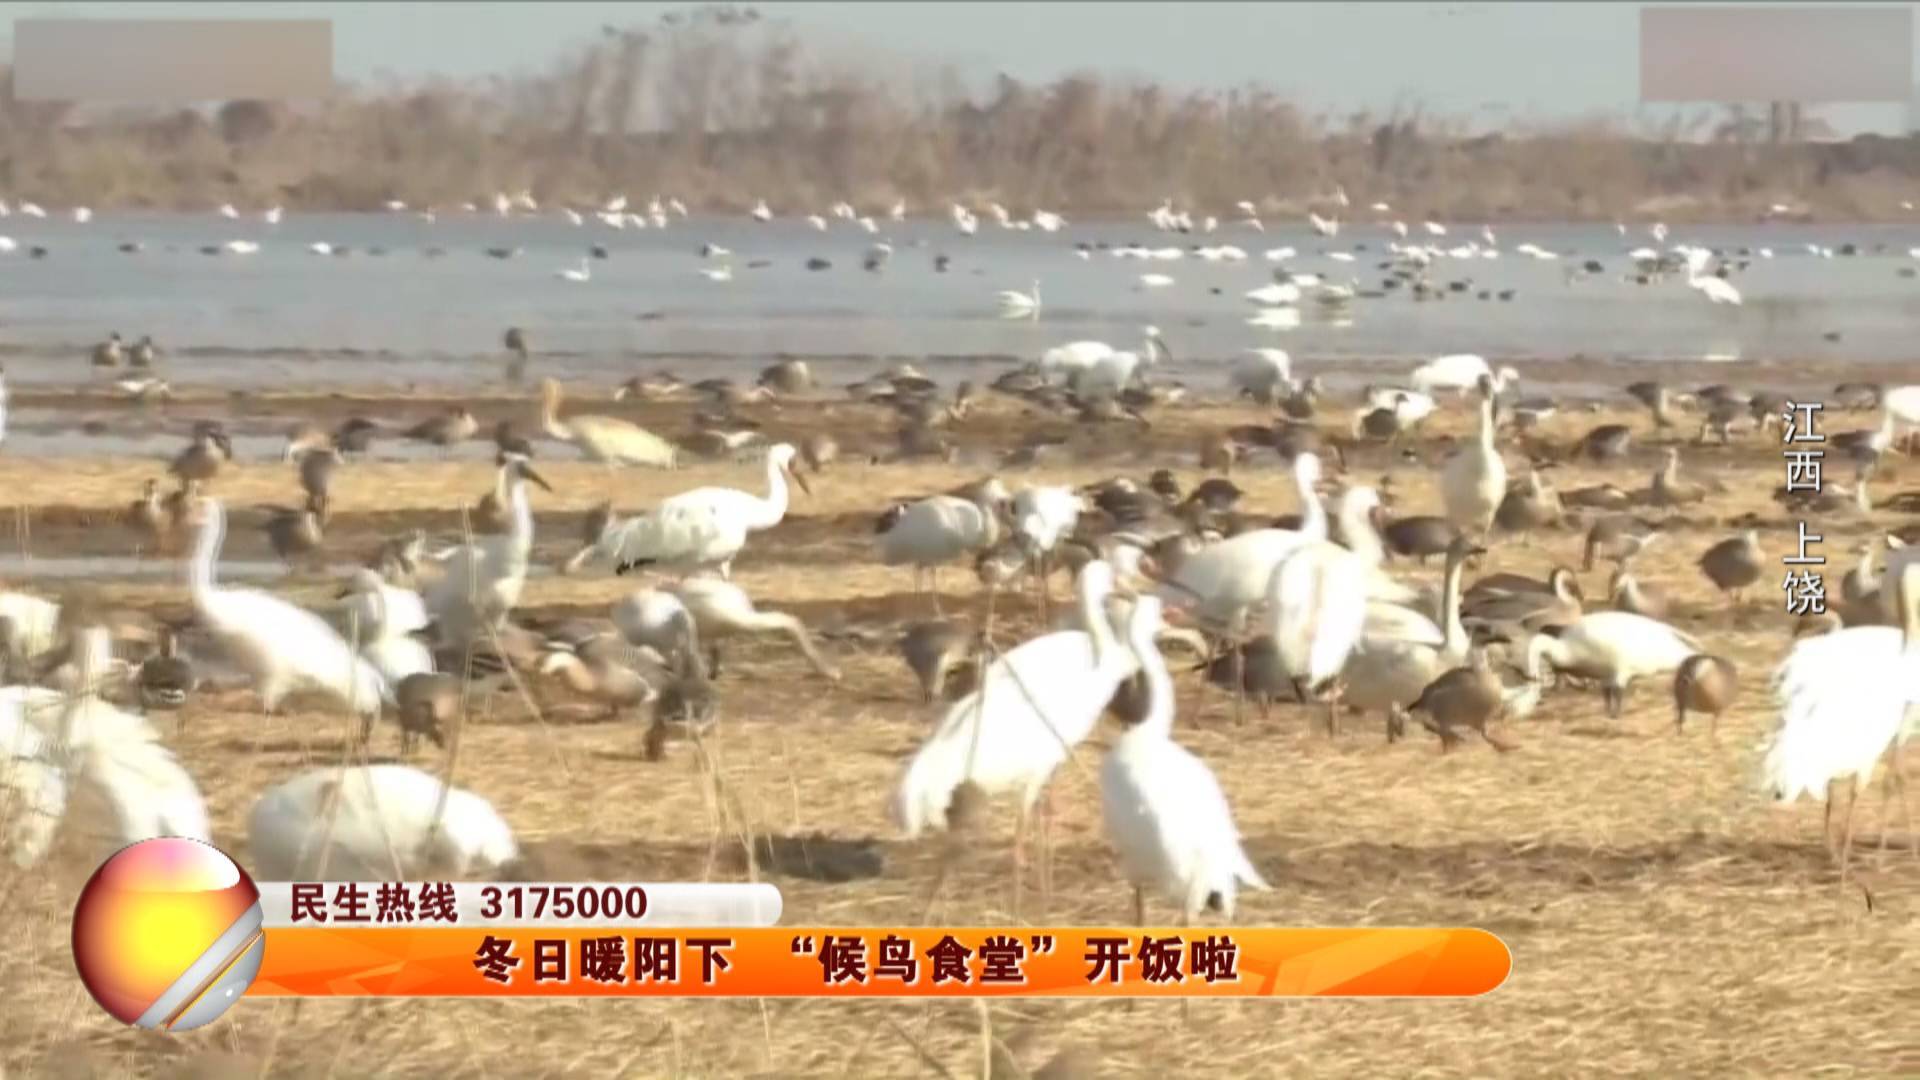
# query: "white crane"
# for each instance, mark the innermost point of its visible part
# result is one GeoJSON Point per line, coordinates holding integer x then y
{"type": "Point", "coordinates": [47, 736]}
{"type": "Point", "coordinates": [760, 211]}
{"type": "Point", "coordinates": [1474, 480]}
{"type": "Point", "coordinates": [1460, 372]}
{"type": "Point", "coordinates": [354, 824]}
{"type": "Point", "coordinates": [716, 610]}
{"type": "Point", "coordinates": [579, 275]}
{"type": "Point", "coordinates": [1845, 701]}
{"type": "Point", "coordinates": [1015, 304]}
{"type": "Point", "coordinates": [1316, 609]}
{"type": "Point", "coordinates": [272, 215]}
{"type": "Point", "coordinates": [705, 527]}
{"type": "Point", "coordinates": [939, 529]}
{"type": "Point", "coordinates": [1165, 813]}
{"type": "Point", "coordinates": [480, 582]}
{"type": "Point", "coordinates": [1034, 704]}
{"type": "Point", "coordinates": [227, 211]}
{"type": "Point", "coordinates": [33, 625]}
{"type": "Point", "coordinates": [283, 646]}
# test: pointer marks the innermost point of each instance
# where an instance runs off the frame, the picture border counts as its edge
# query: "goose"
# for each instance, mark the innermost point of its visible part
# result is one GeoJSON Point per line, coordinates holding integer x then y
{"type": "Point", "coordinates": [1419, 537]}
{"type": "Point", "coordinates": [719, 610]}
{"type": "Point", "coordinates": [1845, 699]}
{"type": "Point", "coordinates": [1528, 609]}
{"type": "Point", "coordinates": [1164, 810]}
{"type": "Point", "coordinates": [1735, 564]}
{"type": "Point", "coordinates": [1619, 537]}
{"type": "Point", "coordinates": [1474, 479]}
{"type": "Point", "coordinates": [1705, 684]}
{"type": "Point", "coordinates": [143, 353]}
{"type": "Point", "coordinates": [601, 679]}
{"type": "Point", "coordinates": [939, 529]}
{"type": "Point", "coordinates": [932, 650]}
{"type": "Point", "coordinates": [202, 458]}
{"type": "Point", "coordinates": [284, 647]}
{"type": "Point", "coordinates": [1613, 648]}
{"type": "Point", "coordinates": [480, 582]}
{"type": "Point", "coordinates": [1529, 506]}
{"type": "Point", "coordinates": [1386, 673]}
{"type": "Point", "coordinates": [166, 679]}
{"type": "Point", "coordinates": [297, 535]}
{"type": "Point", "coordinates": [1626, 593]}
{"type": "Point", "coordinates": [1464, 697]}
{"type": "Point", "coordinates": [148, 518]}
{"type": "Point", "coordinates": [1034, 704]}
{"type": "Point", "coordinates": [109, 353]}
{"type": "Point", "coordinates": [375, 823]}
{"type": "Point", "coordinates": [1668, 489]}
{"type": "Point", "coordinates": [602, 438]}
{"type": "Point", "coordinates": [705, 527]}
{"type": "Point", "coordinates": [456, 425]}
{"type": "Point", "coordinates": [426, 703]}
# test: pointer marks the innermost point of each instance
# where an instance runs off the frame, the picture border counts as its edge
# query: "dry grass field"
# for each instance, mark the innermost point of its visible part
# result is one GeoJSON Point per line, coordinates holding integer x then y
{"type": "Point", "coordinates": [1665, 920]}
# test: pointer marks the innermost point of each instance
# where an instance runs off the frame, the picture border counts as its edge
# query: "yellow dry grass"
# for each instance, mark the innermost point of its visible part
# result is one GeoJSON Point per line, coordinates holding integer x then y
{"type": "Point", "coordinates": [1664, 919]}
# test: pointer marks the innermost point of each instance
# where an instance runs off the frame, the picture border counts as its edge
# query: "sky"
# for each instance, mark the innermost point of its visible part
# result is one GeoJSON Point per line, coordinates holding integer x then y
{"type": "Point", "coordinates": [1493, 61]}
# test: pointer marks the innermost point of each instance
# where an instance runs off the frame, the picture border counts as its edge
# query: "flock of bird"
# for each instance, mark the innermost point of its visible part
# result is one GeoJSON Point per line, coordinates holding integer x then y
{"type": "Point", "coordinates": [1306, 607]}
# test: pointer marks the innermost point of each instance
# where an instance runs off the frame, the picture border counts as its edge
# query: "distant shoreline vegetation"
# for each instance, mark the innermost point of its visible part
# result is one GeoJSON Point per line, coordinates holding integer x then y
{"type": "Point", "coordinates": [720, 108]}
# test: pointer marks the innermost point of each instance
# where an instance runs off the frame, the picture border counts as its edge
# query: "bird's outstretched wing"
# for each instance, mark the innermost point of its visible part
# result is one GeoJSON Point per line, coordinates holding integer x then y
{"type": "Point", "coordinates": [673, 534]}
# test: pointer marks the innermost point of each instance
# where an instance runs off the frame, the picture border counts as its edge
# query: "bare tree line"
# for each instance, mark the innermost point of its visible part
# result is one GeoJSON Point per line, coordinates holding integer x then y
{"type": "Point", "coordinates": [719, 107]}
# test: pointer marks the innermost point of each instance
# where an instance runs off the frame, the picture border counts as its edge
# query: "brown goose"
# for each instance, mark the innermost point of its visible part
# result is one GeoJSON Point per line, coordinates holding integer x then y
{"type": "Point", "coordinates": [456, 425]}
{"type": "Point", "coordinates": [1528, 506]}
{"type": "Point", "coordinates": [427, 703]}
{"type": "Point", "coordinates": [933, 650]}
{"type": "Point", "coordinates": [1668, 489]}
{"type": "Point", "coordinates": [1703, 684]}
{"type": "Point", "coordinates": [1618, 537]}
{"type": "Point", "coordinates": [147, 517]}
{"type": "Point", "coordinates": [1419, 537]}
{"type": "Point", "coordinates": [296, 535]}
{"type": "Point", "coordinates": [1735, 563]}
{"type": "Point", "coordinates": [1626, 593]}
{"type": "Point", "coordinates": [1464, 698]}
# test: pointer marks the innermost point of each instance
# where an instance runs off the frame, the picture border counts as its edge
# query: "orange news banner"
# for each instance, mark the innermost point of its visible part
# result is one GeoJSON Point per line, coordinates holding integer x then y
{"type": "Point", "coordinates": [880, 962]}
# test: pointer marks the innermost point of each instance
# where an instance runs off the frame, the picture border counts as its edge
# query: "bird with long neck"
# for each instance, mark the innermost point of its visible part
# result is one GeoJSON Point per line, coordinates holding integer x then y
{"type": "Point", "coordinates": [281, 645]}
{"type": "Point", "coordinates": [1032, 707]}
{"type": "Point", "coordinates": [481, 581]}
{"type": "Point", "coordinates": [1165, 812]}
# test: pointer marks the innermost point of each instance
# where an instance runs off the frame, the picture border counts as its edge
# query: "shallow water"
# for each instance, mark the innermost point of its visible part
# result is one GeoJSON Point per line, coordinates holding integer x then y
{"type": "Point", "coordinates": [404, 319]}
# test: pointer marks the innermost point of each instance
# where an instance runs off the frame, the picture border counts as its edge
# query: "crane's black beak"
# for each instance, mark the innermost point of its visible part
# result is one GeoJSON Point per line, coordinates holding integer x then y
{"type": "Point", "coordinates": [800, 478]}
{"type": "Point", "coordinates": [527, 471]}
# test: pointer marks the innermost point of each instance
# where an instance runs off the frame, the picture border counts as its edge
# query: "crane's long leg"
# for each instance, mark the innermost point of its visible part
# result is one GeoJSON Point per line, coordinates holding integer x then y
{"type": "Point", "coordinates": [1046, 849]}
{"type": "Point", "coordinates": [1896, 783]}
{"type": "Point", "coordinates": [1019, 857]}
{"type": "Point", "coordinates": [1846, 843]}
